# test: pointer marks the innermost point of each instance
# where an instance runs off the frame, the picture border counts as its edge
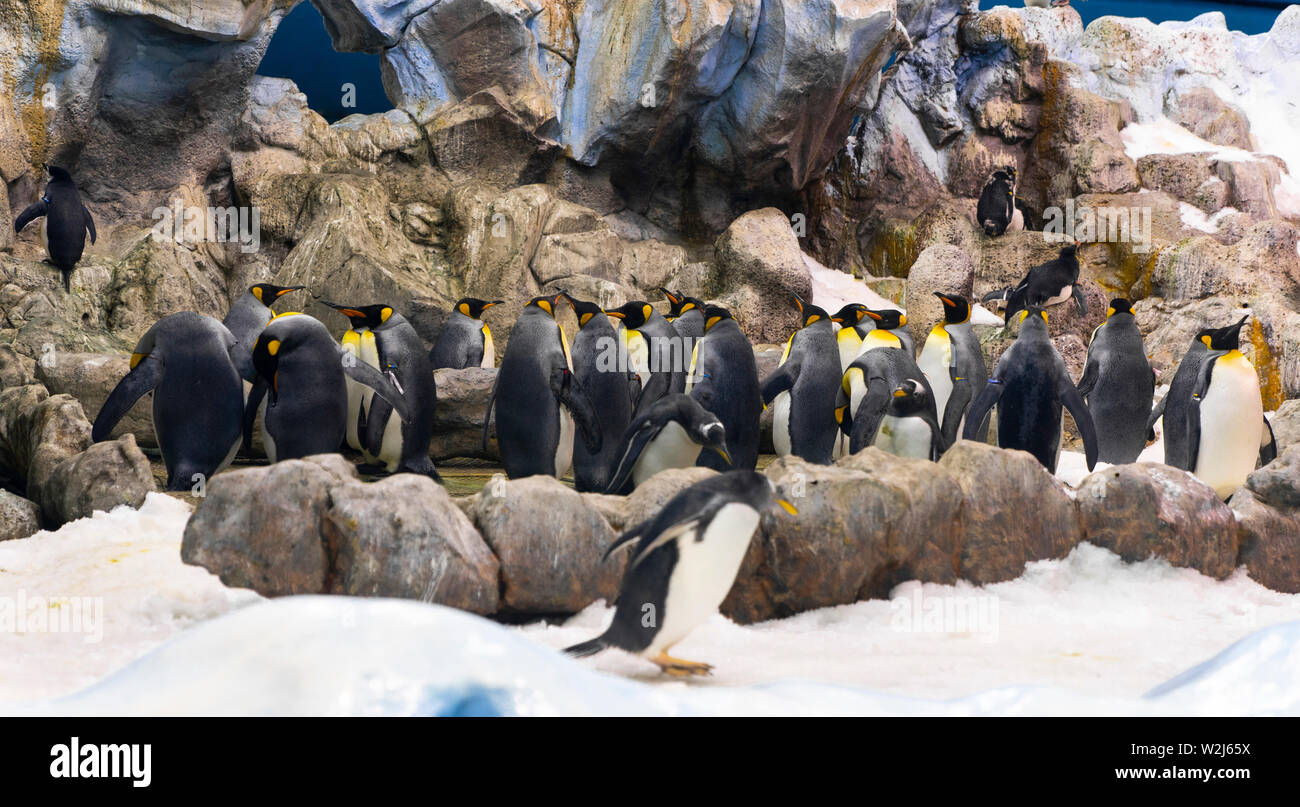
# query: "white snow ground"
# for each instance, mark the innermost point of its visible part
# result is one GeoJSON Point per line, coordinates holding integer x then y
{"type": "Point", "coordinates": [1085, 635]}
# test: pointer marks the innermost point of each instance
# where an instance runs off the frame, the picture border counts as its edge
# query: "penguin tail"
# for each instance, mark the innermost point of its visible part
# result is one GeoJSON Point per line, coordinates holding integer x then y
{"type": "Point", "coordinates": [67, 280]}
{"type": "Point", "coordinates": [589, 648]}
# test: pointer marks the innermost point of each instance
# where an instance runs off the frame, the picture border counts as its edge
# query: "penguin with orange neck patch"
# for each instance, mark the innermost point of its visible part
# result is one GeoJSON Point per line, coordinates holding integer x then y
{"type": "Point", "coordinates": [465, 341]}
{"type": "Point", "coordinates": [803, 388]}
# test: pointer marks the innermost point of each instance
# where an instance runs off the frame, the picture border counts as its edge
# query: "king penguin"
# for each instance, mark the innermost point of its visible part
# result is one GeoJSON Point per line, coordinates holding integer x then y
{"type": "Point", "coordinates": [684, 563]}
{"type": "Point", "coordinates": [672, 433]}
{"type": "Point", "coordinates": [849, 336]}
{"type": "Point", "coordinates": [953, 364]}
{"type": "Point", "coordinates": [247, 317]}
{"type": "Point", "coordinates": [187, 360]}
{"type": "Point", "coordinates": [1045, 285]}
{"type": "Point", "coordinates": [465, 341]}
{"type": "Point", "coordinates": [1029, 386]}
{"type": "Point", "coordinates": [656, 350]}
{"type": "Point", "coordinates": [597, 367]}
{"type": "Point", "coordinates": [997, 204]}
{"type": "Point", "coordinates": [884, 401]}
{"type": "Point", "coordinates": [687, 317]}
{"type": "Point", "coordinates": [67, 220]}
{"type": "Point", "coordinates": [803, 421]}
{"type": "Point", "coordinates": [892, 321]}
{"type": "Point", "coordinates": [536, 398]}
{"type": "Point", "coordinates": [300, 372]}
{"type": "Point", "coordinates": [1118, 385]}
{"type": "Point", "coordinates": [724, 379]}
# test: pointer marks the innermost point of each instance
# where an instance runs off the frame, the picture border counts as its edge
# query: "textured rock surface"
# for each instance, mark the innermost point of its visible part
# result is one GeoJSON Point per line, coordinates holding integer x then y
{"type": "Point", "coordinates": [102, 477]}
{"type": "Point", "coordinates": [758, 267]}
{"type": "Point", "coordinates": [19, 517]}
{"type": "Point", "coordinates": [1270, 541]}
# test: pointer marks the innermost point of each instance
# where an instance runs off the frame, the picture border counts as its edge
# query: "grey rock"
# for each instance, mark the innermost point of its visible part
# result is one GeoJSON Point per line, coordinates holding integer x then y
{"type": "Point", "coordinates": [19, 517]}
{"type": "Point", "coordinates": [102, 477]}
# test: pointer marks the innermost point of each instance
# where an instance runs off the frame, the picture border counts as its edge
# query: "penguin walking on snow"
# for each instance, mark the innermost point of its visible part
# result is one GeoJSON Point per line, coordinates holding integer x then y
{"type": "Point", "coordinates": [465, 341]}
{"type": "Point", "coordinates": [247, 317]}
{"type": "Point", "coordinates": [724, 379]}
{"type": "Point", "coordinates": [1045, 285]}
{"type": "Point", "coordinates": [671, 434]}
{"type": "Point", "coordinates": [802, 390]}
{"type": "Point", "coordinates": [953, 364]}
{"type": "Point", "coordinates": [997, 204]}
{"type": "Point", "coordinates": [656, 351]}
{"type": "Point", "coordinates": [1029, 386]}
{"type": "Point", "coordinates": [187, 361]}
{"type": "Point", "coordinates": [67, 220]}
{"type": "Point", "coordinates": [598, 370]}
{"type": "Point", "coordinates": [684, 562]}
{"type": "Point", "coordinates": [1118, 385]}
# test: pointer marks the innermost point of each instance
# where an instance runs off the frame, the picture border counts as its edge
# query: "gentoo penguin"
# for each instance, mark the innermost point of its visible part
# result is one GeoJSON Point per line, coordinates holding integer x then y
{"type": "Point", "coordinates": [67, 220]}
{"type": "Point", "coordinates": [953, 364]}
{"type": "Point", "coordinates": [656, 350]}
{"type": "Point", "coordinates": [685, 561]}
{"type": "Point", "coordinates": [536, 398]}
{"type": "Point", "coordinates": [997, 204]}
{"type": "Point", "coordinates": [893, 321]}
{"type": "Point", "coordinates": [1224, 432]}
{"type": "Point", "coordinates": [247, 317]}
{"type": "Point", "coordinates": [884, 401]}
{"type": "Point", "coordinates": [300, 372]}
{"type": "Point", "coordinates": [1045, 285]}
{"type": "Point", "coordinates": [1118, 385]}
{"type": "Point", "coordinates": [671, 434]}
{"type": "Point", "coordinates": [187, 360]}
{"type": "Point", "coordinates": [803, 421]}
{"type": "Point", "coordinates": [849, 337]}
{"type": "Point", "coordinates": [599, 370]}
{"type": "Point", "coordinates": [1029, 386]}
{"type": "Point", "coordinates": [724, 379]}
{"type": "Point", "coordinates": [465, 341]}
{"type": "Point", "coordinates": [402, 445]}
{"type": "Point", "coordinates": [687, 316]}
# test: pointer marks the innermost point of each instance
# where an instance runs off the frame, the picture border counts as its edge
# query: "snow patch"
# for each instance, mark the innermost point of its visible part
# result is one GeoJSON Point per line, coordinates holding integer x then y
{"type": "Point", "coordinates": [833, 289]}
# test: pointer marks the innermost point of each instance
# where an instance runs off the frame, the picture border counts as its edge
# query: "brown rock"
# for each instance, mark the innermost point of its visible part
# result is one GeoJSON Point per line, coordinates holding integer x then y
{"type": "Point", "coordinates": [948, 269]}
{"type": "Point", "coordinates": [102, 477]}
{"type": "Point", "coordinates": [1286, 424]}
{"type": "Point", "coordinates": [19, 517]}
{"type": "Point", "coordinates": [1278, 483]}
{"type": "Point", "coordinates": [462, 402]}
{"type": "Point", "coordinates": [1270, 542]}
{"type": "Point", "coordinates": [757, 266]}
{"type": "Point", "coordinates": [91, 378]}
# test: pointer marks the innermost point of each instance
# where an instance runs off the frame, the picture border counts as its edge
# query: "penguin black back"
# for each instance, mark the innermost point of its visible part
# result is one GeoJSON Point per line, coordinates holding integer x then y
{"type": "Point", "coordinates": [598, 369]}
{"type": "Point", "coordinates": [67, 220]}
{"type": "Point", "coordinates": [811, 377]}
{"type": "Point", "coordinates": [1118, 385]}
{"type": "Point", "coordinates": [997, 204]}
{"type": "Point", "coordinates": [465, 341]}
{"type": "Point", "coordinates": [724, 379]}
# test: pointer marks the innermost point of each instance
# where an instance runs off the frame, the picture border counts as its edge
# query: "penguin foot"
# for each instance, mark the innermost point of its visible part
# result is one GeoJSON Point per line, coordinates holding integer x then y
{"type": "Point", "coordinates": [681, 667]}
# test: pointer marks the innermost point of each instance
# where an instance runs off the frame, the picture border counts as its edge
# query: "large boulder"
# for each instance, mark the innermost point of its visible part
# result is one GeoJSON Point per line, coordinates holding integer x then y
{"type": "Point", "coordinates": [1286, 424]}
{"type": "Point", "coordinates": [91, 378]}
{"type": "Point", "coordinates": [102, 477]}
{"type": "Point", "coordinates": [1269, 518]}
{"type": "Point", "coordinates": [462, 403]}
{"type": "Point", "coordinates": [757, 267]}
{"type": "Point", "coordinates": [19, 517]}
{"type": "Point", "coordinates": [942, 268]}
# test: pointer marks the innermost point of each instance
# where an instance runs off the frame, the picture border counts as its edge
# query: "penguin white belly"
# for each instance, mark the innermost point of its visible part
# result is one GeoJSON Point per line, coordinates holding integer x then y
{"type": "Point", "coordinates": [904, 437]}
{"type": "Point", "coordinates": [1232, 416]}
{"type": "Point", "coordinates": [390, 450]}
{"type": "Point", "coordinates": [672, 447]}
{"type": "Point", "coordinates": [1064, 294]}
{"type": "Point", "coordinates": [704, 573]}
{"type": "Point", "coordinates": [564, 448]}
{"type": "Point", "coordinates": [489, 350]}
{"type": "Point", "coordinates": [781, 424]}
{"type": "Point", "coordinates": [936, 364]}
{"type": "Point", "coordinates": [45, 234]}
{"type": "Point", "coordinates": [368, 353]}
{"type": "Point", "coordinates": [638, 355]}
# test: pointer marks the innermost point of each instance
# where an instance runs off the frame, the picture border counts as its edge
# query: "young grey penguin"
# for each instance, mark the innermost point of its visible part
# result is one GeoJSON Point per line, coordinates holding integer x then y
{"type": "Point", "coordinates": [1118, 385]}
{"type": "Point", "coordinates": [598, 370]}
{"type": "Point", "coordinates": [1045, 285]}
{"type": "Point", "coordinates": [684, 562]}
{"type": "Point", "coordinates": [997, 204]}
{"type": "Point", "coordinates": [884, 402]}
{"type": "Point", "coordinates": [670, 434]}
{"type": "Point", "coordinates": [536, 398]}
{"type": "Point", "coordinates": [247, 317]}
{"type": "Point", "coordinates": [656, 350]}
{"type": "Point", "coordinates": [1029, 386]}
{"type": "Point", "coordinates": [403, 359]}
{"type": "Point", "coordinates": [187, 361]}
{"type": "Point", "coordinates": [724, 379]}
{"type": "Point", "coordinates": [67, 220]}
{"type": "Point", "coordinates": [802, 389]}
{"type": "Point", "coordinates": [953, 364]}
{"type": "Point", "coordinates": [465, 341]}
{"type": "Point", "coordinates": [300, 372]}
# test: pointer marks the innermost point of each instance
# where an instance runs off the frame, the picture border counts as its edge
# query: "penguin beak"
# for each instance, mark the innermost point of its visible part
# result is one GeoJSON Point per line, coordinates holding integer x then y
{"type": "Point", "coordinates": [786, 506]}
{"type": "Point", "coordinates": [722, 452]}
{"type": "Point", "coordinates": [288, 289]}
{"type": "Point", "coordinates": [615, 314]}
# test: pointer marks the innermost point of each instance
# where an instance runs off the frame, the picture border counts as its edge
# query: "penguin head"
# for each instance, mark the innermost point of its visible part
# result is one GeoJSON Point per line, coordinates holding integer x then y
{"type": "Point", "coordinates": [473, 307]}
{"type": "Point", "coordinates": [546, 302]}
{"type": "Point", "coordinates": [809, 313]}
{"type": "Point", "coordinates": [1225, 338]}
{"type": "Point", "coordinates": [59, 175]}
{"type": "Point", "coordinates": [887, 319]}
{"type": "Point", "coordinates": [266, 361]}
{"type": "Point", "coordinates": [267, 293]}
{"type": "Point", "coordinates": [585, 311]}
{"type": "Point", "coordinates": [633, 314]}
{"type": "Point", "coordinates": [910, 389]}
{"type": "Point", "coordinates": [1070, 251]}
{"type": "Point", "coordinates": [713, 314]}
{"type": "Point", "coordinates": [364, 316]}
{"type": "Point", "coordinates": [1032, 317]}
{"type": "Point", "coordinates": [679, 304]}
{"type": "Point", "coordinates": [850, 315]}
{"type": "Point", "coordinates": [956, 309]}
{"type": "Point", "coordinates": [711, 434]}
{"type": "Point", "coordinates": [1119, 306]}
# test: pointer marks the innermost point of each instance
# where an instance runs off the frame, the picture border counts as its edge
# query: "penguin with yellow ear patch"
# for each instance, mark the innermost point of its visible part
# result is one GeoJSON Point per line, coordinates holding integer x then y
{"type": "Point", "coordinates": [600, 368]}
{"type": "Point", "coordinates": [1118, 385]}
{"type": "Point", "coordinates": [891, 321]}
{"type": "Point", "coordinates": [537, 400]}
{"type": "Point", "coordinates": [657, 351]}
{"type": "Point", "coordinates": [953, 364]}
{"type": "Point", "coordinates": [803, 422]}
{"type": "Point", "coordinates": [852, 331]}
{"type": "Point", "coordinates": [884, 402]}
{"type": "Point", "coordinates": [248, 316]}
{"type": "Point", "coordinates": [1029, 386]}
{"type": "Point", "coordinates": [465, 340]}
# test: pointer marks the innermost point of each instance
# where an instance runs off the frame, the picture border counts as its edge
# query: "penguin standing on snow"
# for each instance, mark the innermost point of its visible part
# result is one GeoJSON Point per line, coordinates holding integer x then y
{"type": "Point", "coordinates": [67, 220]}
{"type": "Point", "coordinates": [684, 562]}
{"type": "Point", "coordinates": [536, 398]}
{"type": "Point", "coordinates": [1029, 386]}
{"type": "Point", "coordinates": [724, 379]}
{"type": "Point", "coordinates": [953, 364]}
{"type": "Point", "coordinates": [997, 204]}
{"type": "Point", "coordinates": [1117, 385]}
{"type": "Point", "coordinates": [1045, 285]}
{"type": "Point", "coordinates": [465, 341]}
{"type": "Point", "coordinates": [1225, 432]}
{"type": "Point", "coordinates": [656, 351]}
{"type": "Point", "coordinates": [671, 434]}
{"type": "Point", "coordinates": [187, 361]}
{"type": "Point", "coordinates": [248, 316]}
{"type": "Point", "coordinates": [802, 389]}
{"type": "Point", "coordinates": [597, 367]}
{"type": "Point", "coordinates": [1180, 389]}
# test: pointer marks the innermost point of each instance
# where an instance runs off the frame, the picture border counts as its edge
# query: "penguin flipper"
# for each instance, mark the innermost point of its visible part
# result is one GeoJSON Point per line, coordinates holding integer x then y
{"type": "Point", "coordinates": [90, 223]}
{"type": "Point", "coordinates": [376, 425]}
{"type": "Point", "coordinates": [34, 211]}
{"type": "Point", "coordinates": [487, 414]}
{"type": "Point", "coordinates": [634, 442]}
{"type": "Point", "coordinates": [979, 410]}
{"type": "Point", "coordinates": [781, 380]}
{"type": "Point", "coordinates": [142, 378]}
{"type": "Point", "coordinates": [866, 421]}
{"type": "Point", "coordinates": [255, 396]}
{"type": "Point", "coordinates": [958, 401]}
{"type": "Point", "coordinates": [1267, 444]}
{"type": "Point", "coordinates": [1089, 379]}
{"type": "Point", "coordinates": [363, 373]}
{"type": "Point", "coordinates": [1082, 418]}
{"type": "Point", "coordinates": [1080, 300]}
{"type": "Point", "coordinates": [569, 392]}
